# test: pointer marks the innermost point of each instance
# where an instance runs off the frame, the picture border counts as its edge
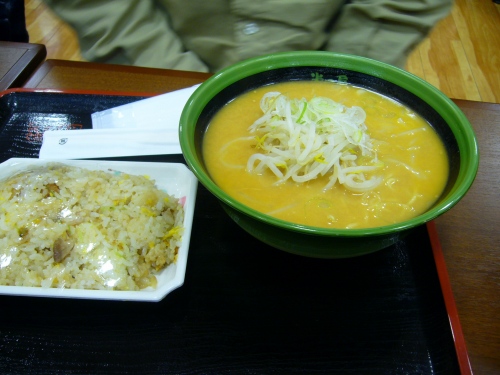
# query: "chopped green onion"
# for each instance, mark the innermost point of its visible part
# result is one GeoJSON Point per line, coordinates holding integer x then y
{"type": "Point", "coordinates": [299, 120]}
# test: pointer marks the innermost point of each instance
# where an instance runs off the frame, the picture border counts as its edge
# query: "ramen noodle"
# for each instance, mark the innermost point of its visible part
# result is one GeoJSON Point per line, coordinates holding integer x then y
{"type": "Point", "coordinates": [326, 154]}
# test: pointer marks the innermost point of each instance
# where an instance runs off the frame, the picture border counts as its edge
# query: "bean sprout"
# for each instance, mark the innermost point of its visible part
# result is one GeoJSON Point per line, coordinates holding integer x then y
{"type": "Point", "coordinates": [302, 140]}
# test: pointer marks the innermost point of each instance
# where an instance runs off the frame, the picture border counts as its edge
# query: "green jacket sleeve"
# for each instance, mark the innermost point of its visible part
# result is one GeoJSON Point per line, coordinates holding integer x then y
{"type": "Point", "coordinates": [131, 32]}
{"type": "Point", "coordinates": [385, 30]}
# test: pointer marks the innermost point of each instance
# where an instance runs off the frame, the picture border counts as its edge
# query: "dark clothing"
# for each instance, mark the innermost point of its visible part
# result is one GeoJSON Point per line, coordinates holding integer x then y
{"type": "Point", "coordinates": [12, 21]}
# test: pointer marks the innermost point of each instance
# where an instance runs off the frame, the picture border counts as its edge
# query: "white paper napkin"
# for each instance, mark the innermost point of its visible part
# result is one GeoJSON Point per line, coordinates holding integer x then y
{"type": "Point", "coordinates": [146, 127]}
{"type": "Point", "coordinates": [99, 143]}
{"type": "Point", "coordinates": [156, 112]}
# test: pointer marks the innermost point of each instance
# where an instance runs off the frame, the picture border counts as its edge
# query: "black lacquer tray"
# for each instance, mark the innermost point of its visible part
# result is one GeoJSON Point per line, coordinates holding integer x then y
{"type": "Point", "coordinates": [245, 308]}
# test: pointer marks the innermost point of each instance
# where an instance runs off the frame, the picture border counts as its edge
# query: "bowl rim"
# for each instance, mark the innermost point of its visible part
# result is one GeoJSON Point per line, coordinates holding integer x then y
{"type": "Point", "coordinates": [444, 106]}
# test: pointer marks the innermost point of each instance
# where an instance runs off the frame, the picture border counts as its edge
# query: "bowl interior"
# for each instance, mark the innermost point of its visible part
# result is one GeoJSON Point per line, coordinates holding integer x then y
{"type": "Point", "coordinates": [443, 115]}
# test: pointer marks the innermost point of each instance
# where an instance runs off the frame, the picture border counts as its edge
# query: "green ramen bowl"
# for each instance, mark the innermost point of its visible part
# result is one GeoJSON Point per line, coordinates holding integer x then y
{"type": "Point", "coordinates": [443, 115]}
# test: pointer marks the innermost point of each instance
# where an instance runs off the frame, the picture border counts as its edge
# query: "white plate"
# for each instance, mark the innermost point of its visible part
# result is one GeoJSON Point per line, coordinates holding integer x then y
{"type": "Point", "coordinates": [176, 179]}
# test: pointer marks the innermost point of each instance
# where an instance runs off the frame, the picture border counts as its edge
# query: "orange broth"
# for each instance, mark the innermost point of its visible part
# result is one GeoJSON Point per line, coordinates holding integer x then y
{"type": "Point", "coordinates": [414, 174]}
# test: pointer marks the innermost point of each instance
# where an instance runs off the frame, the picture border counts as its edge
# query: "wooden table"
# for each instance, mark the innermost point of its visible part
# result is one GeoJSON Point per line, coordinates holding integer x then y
{"type": "Point", "coordinates": [18, 61]}
{"type": "Point", "coordinates": [70, 75]}
{"type": "Point", "coordinates": [469, 233]}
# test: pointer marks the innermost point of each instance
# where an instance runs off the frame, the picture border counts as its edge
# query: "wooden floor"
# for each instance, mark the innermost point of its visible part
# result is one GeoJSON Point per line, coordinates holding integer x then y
{"type": "Point", "coordinates": [461, 57]}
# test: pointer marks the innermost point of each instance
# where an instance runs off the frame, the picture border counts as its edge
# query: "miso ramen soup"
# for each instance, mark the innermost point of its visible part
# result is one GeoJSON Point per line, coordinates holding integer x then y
{"type": "Point", "coordinates": [398, 161]}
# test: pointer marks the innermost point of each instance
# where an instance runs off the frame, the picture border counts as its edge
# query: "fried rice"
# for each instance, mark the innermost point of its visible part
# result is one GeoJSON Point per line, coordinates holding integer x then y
{"type": "Point", "coordinates": [69, 227]}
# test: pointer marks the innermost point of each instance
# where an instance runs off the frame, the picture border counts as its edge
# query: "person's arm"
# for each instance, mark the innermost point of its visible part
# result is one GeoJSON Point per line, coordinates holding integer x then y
{"type": "Point", "coordinates": [385, 30]}
{"type": "Point", "coordinates": [129, 32]}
